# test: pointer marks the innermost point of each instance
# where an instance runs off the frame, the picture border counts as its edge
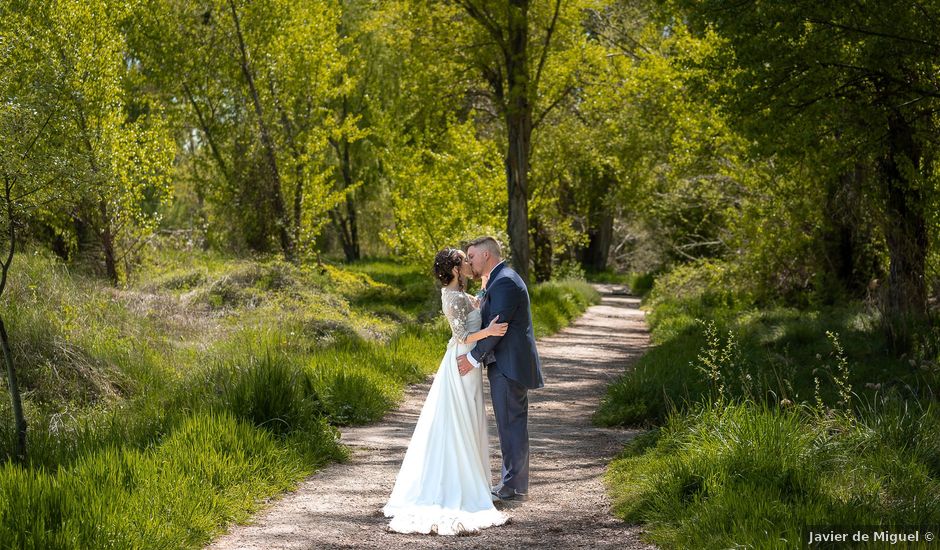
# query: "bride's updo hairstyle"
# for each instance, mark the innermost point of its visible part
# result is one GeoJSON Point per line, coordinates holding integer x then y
{"type": "Point", "coordinates": [444, 264]}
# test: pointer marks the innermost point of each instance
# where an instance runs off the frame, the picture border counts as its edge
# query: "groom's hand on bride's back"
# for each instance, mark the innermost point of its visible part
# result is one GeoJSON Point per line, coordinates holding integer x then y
{"type": "Point", "coordinates": [464, 365]}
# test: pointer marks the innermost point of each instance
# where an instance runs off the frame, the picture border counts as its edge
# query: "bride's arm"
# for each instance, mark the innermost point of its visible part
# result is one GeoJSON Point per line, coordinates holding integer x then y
{"type": "Point", "coordinates": [494, 329]}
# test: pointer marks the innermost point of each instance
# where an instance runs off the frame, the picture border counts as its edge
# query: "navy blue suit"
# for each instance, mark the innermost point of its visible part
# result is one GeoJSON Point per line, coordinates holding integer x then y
{"type": "Point", "coordinates": [513, 368]}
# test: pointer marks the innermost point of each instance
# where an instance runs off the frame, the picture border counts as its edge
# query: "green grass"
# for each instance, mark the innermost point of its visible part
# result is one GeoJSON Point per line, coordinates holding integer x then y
{"type": "Point", "coordinates": [161, 411]}
{"type": "Point", "coordinates": [207, 473]}
{"type": "Point", "coordinates": [556, 303]}
{"type": "Point", "coordinates": [749, 475]}
{"type": "Point", "coordinates": [767, 419]}
{"type": "Point", "coordinates": [392, 288]}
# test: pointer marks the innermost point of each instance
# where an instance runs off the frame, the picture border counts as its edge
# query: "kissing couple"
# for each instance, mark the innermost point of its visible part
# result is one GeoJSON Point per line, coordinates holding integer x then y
{"type": "Point", "coordinates": [443, 485]}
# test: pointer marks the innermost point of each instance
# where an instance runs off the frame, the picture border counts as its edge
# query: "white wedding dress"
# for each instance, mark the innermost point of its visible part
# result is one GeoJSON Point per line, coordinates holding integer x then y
{"type": "Point", "coordinates": [443, 486]}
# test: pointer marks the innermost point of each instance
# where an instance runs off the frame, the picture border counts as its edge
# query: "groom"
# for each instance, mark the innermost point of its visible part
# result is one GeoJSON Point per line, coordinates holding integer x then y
{"type": "Point", "coordinates": [512, 361]}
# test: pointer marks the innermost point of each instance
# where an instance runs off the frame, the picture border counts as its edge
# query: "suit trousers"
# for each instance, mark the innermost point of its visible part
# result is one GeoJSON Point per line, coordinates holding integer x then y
{"type": "Point", "coordinates": [511, 407]}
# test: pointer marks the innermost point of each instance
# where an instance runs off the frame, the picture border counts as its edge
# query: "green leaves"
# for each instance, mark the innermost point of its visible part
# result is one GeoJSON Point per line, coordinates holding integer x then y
{"type": "Point", "coordinates": [445, 192]}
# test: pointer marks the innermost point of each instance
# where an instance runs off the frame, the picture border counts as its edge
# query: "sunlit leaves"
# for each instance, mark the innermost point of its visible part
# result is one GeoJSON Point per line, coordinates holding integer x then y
{"type": "Point", "coordinates": [446, 194]}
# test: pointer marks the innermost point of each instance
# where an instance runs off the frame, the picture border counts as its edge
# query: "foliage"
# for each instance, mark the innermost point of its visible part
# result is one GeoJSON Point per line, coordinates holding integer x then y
{"type": "Point", "coordinates": [252, 86]}
{"type": "Point", "coordinates": [111, 151]}
{"type": "Point", "coordinates": [853, 96]}
{"type": "Point", "coordinates": [701, 318]}
{"type": "Point", "coordinates": [443, 197]}
{"type": "Point", "coordinates": [660, 156]}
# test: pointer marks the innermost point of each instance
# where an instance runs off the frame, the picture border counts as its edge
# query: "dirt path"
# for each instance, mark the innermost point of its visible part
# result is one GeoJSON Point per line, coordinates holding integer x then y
{"type": "Point", "coordinates": [340, 506]}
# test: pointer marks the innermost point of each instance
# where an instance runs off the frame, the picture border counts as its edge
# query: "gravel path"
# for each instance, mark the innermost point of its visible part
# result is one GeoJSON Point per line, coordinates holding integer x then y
{"type": "Point", "coordinates": [340, 506]}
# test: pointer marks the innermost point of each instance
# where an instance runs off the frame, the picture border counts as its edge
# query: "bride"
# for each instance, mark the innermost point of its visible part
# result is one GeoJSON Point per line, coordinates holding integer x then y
{"type": "Point", "coordinates": [443, 486]}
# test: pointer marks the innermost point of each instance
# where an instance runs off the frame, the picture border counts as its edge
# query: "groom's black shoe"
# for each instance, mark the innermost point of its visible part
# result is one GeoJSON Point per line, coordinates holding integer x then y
{"type": "Point", "coordinates": [502, 492]}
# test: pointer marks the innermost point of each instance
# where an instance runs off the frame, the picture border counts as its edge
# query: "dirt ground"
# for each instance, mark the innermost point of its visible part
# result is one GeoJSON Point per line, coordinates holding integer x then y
{"type": "Point", "coordinates": [340, 506]}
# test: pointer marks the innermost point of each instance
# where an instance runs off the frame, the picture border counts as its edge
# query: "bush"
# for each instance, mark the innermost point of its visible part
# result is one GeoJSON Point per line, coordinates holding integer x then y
{"type": "Point", "coordinates": [268, 391]}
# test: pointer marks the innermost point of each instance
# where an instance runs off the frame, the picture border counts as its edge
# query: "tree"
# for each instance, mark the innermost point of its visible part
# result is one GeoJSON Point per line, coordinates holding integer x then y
{"type": "Point", "coordinates": [424, 169]}
{"type": "Point", "coordinates": [118, 158]}
{"type": "Point", "coordinates": [444, 195]}
{"type": "Point", "coordinates": [639, 149]}
{"type": "Point", "coordinates": [352, 151]}
{"type": "Point", "coordinates": [515, 48]}
{"type": "Point", "coordinates": [32, 167]}
{"type": "Point", "coordinates": [858, 87]}
{"type": "Point", "coordinates": [257, 80]}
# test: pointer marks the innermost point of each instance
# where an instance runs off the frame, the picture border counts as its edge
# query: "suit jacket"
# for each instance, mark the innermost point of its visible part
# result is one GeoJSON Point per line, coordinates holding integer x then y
{"type": "Point", "coordinates": [514, 353]}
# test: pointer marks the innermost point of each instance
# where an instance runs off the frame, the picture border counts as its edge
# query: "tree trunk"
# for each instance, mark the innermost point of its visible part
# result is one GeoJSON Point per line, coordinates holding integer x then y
{"type": "Point", "coordinates": [345, 226]}
{"type": "Point", "coordinates": [107, 244]}
{"type": "Point", "coordinates": [519, 129]}
{"type": "Point", "coordinates": [18, 417]}
{"type": "Point", "coordinates": [600, 235]}
{"type": "Point", "coordinates": [267, 143]}
{"type": "Point", "coordinates": [542, 245]}
{"type": "Point", "coordinates": [297, 153]}
{"type": "Point", "coordinates": [348, 227]}
{"type": "Point", "coordinates": [845, 236]}
{"type": "Point", "coordinates": [298, 204]}
{"type": "Point", "coordinates": [207, 131]}
{"type": "Point", "coordinates": [905, 232]}
{"type": "Point", "coordinates": [351, 241]}
{"type": "Point", "coordinates": [103, 229]}
{"type": "Point", "coordinates": [202, 216]}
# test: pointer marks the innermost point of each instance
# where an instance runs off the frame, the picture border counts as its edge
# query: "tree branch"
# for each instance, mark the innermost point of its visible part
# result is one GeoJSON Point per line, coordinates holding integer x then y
{"type": "Point", "coordinates": [484, 19]}
{"type": "Point", "coordinates": [204, 124]}
{"type": "Point", "coordinates": [36, 137]}
{"type": "Point", "coordinates": [35, 189]}
{"type": "Point", "coordinates": [8, 185]}
{"type": "Point", "coordinates": [554, 104]}
{"type": "Point", "coordinates": [546, 45]}
{"type": "Point", "coordinates": [869, 32]}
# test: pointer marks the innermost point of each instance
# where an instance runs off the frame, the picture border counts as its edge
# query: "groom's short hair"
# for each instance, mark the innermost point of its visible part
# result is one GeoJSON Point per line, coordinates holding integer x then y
{"type": "Point", "coordinates": [489, 243]}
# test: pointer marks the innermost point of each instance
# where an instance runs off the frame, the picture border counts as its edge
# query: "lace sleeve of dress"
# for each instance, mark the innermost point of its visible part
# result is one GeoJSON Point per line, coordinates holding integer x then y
{"type": "Point", "coordinates": [457, 307]}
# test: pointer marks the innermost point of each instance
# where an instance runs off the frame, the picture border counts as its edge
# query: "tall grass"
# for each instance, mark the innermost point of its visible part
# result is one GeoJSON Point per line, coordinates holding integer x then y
{"type": "Point", "coordinates": [172, 495]}
{"type": "Point", "coordinates": [780, 352]}
{"type": "Point", "coordinates": [751, 475]}
{"type": "Point", "coordinates": [556, 303]}
{"type": "Point", "coordinates": [767, 420]}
